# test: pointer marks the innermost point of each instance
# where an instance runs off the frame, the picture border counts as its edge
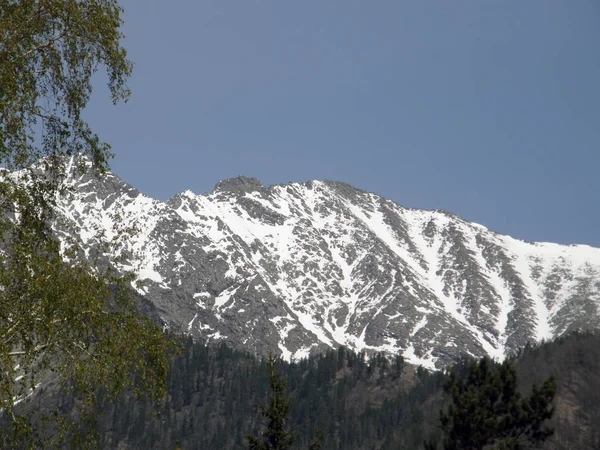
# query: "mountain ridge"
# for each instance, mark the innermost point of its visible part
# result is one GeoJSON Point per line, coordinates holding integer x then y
{"type": "Point", "coordinates": [300, 267]}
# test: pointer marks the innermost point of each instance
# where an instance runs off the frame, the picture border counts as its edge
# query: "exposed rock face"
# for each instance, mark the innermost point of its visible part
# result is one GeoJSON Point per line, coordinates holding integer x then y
{"type": "Point", "coordinates": [297, 268]}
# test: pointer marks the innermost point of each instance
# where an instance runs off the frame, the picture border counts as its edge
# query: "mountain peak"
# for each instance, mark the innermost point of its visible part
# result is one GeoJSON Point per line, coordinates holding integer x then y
{"type": "Point", "coordinates": [297, 268]}
{"type": "Point", "coordinates": [239, 185]}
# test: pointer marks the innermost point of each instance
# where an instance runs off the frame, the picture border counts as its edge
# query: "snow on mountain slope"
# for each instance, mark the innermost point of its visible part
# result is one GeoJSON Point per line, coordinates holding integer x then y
{"type": "Point", "coordinates": [299, 267]}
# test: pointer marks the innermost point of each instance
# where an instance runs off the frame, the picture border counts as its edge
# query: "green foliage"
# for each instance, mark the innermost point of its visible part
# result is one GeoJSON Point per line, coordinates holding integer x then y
{"type": "Point", "coordinates": [277, 435]}
{"type": "Point", "coordinates": [60, 316]}
{"type": "Point", "coordinates": [49, 50]}
{"type": "Point", "coordinates": [487, 410]}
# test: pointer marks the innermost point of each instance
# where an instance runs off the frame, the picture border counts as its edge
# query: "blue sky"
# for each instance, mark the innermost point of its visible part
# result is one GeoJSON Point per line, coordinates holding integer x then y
{"type": "Point", "coordinates": [489, 109]}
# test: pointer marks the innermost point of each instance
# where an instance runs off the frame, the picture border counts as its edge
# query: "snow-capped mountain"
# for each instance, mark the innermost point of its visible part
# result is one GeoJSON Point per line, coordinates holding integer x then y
{"type": "Point", "coordinates": [299, 267]}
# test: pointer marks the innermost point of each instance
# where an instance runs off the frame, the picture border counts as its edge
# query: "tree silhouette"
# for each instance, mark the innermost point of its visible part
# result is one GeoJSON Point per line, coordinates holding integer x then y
{"type": "Point", "coordinates": [487, 410]}
{"type": "Point", "coordinates": [277, 436]}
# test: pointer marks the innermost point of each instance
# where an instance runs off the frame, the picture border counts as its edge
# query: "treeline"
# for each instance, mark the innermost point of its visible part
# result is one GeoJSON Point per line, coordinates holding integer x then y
{"type": "Point", "coordinates": [214, 395]}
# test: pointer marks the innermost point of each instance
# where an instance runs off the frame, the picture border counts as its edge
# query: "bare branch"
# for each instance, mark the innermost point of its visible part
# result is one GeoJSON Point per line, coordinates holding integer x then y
{"type": "Point", "coordinates": [27, 352]}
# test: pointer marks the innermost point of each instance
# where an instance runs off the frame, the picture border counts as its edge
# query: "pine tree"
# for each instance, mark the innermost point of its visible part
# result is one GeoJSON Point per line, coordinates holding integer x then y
{"type": "Point", "coordinates": [277, 436]}
{"type": "Point", "coordinates": [487, 410]}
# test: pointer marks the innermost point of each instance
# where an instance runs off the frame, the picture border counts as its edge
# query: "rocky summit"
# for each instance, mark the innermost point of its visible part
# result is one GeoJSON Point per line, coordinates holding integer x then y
{"type": "Point", "coordinates": [298, 268]}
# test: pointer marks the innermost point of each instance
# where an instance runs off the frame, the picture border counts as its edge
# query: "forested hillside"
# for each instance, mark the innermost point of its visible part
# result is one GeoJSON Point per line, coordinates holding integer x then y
{"type": "Point", "coordinates": [215, 392]}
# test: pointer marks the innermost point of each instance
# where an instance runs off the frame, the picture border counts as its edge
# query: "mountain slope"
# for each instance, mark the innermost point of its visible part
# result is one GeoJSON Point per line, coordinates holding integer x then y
{"type": "Point", "coordinates": [214, 395]}
{"type": "Point", "coordinates": [303, 267]}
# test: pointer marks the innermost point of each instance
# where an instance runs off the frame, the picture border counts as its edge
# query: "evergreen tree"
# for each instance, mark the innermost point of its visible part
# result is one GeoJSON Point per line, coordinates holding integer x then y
{"type": "Point", "coordinates": [277, 436]}
{"type": "Point", "coordinates": [487, 410]}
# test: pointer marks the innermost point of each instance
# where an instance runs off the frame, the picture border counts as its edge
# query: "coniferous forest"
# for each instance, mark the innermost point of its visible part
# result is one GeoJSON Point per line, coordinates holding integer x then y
{"type": "Point", "coordinates": [351, 401]}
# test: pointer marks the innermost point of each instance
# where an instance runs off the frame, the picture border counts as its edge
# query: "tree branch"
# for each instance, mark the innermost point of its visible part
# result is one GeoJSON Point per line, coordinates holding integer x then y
{"type": "Point", "coordinates": [46, 44]}
{"type": "Point", "coordinates": [35, 350]}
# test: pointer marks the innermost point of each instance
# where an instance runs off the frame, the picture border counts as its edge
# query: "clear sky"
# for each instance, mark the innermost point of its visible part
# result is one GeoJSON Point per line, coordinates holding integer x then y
{"type": "Point", "coordinates": [489, 109]}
